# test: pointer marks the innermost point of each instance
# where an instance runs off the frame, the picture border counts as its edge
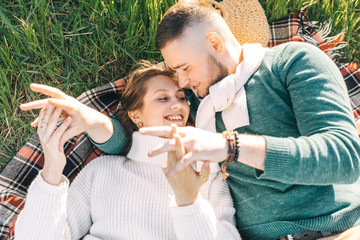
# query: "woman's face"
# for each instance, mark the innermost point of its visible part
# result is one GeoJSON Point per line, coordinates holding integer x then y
{"type": "Point", "coordinates": [164, 104]}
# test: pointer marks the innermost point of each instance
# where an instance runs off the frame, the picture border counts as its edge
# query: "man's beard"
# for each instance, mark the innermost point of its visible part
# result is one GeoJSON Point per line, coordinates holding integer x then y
{"type": "Point", "coordinates": [218, 72]}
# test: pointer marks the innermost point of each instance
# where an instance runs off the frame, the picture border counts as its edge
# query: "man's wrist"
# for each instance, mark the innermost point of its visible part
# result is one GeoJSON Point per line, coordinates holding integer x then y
{"type": "Point", "coordinates": [225, 148]}
{"type": "Point", "coordinates": [253, 151]}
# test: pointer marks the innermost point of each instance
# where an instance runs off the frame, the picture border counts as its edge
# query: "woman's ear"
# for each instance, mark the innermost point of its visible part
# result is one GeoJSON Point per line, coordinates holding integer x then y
{"type": "Point", "coordinates": [215, 42]}
{"type": "Point", "coordinates": [135, 116]}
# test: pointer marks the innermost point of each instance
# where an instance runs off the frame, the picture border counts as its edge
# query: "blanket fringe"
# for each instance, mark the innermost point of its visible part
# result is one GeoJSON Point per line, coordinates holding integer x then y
{"type": "Point", "coordinates": [331, 45]}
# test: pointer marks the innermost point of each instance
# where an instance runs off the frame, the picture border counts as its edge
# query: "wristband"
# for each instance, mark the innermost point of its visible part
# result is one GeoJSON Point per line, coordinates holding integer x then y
{"type": "Point", "coordinates": [232, 140]}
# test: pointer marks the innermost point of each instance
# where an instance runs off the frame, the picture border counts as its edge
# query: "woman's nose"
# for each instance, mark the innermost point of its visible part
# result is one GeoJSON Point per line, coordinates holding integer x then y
{"type": "Point", "coordinates": [176, 104]}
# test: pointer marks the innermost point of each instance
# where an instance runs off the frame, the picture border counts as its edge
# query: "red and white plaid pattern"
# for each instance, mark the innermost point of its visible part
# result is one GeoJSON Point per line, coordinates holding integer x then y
{"type": "Point", "coordinates": [16, 177]}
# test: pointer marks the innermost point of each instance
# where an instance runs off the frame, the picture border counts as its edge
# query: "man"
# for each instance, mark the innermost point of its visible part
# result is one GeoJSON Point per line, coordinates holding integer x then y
{"type": "Point", "coordinates": [297, 138]}
{"type": "Point", "coordinates": [303, 138]}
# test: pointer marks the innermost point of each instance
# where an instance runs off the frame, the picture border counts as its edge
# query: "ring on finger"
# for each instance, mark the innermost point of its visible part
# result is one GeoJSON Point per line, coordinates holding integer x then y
{"type": "Point", "coordinates": [43, 124]}
{"type": "Point", "coordinates": [204, 178]}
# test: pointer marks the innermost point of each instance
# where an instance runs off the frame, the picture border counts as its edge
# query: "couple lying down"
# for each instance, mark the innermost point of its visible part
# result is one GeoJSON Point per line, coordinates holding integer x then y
{"type": "Point", "coordinates": [117, 197]}
{"type": "Point", "coordinates": [296, 155]}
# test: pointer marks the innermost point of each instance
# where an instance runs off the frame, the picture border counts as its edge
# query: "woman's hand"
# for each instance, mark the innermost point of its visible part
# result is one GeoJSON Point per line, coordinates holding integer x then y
{"type": "Point", "coordinates": [97, 125]}
{"type": "Point", "coordinates": [55, 160]}
{"type": "Point", "coordinates": [187, 182]}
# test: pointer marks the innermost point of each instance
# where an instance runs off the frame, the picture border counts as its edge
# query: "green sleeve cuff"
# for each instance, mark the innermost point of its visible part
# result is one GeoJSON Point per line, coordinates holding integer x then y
{"type": "Point", "coordinates": [277, 159]}
{"type": "Point", "coordinates": [118, 141]}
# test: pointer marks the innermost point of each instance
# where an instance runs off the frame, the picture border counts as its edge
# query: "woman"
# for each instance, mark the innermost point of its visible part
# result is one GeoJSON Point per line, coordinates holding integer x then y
{"type": "Point", "coordinates": [116, 197]}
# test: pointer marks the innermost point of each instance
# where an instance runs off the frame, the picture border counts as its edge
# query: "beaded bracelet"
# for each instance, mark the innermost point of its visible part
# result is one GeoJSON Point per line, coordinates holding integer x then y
{"type": "Point", "coordinates": [233, 150]}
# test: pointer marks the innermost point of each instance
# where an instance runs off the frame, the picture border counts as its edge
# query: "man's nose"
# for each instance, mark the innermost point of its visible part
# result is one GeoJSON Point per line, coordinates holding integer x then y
{"type": "Point", "coordinates": [183, 80]}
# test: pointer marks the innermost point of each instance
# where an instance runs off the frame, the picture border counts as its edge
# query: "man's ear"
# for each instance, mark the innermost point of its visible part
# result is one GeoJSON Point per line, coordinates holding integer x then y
{"type": "Point", "coordinates": [135, 116]}
{"type": "Point", "coordinates": [215, 42]}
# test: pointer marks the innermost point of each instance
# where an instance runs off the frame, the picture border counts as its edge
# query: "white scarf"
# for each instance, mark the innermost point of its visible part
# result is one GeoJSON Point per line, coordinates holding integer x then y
{"type": "Point", "coordinates": [228, 95]}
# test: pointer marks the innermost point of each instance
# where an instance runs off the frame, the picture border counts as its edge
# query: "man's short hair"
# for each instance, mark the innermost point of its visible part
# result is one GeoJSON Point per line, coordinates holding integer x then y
{"type": "Point", "coordinates": [179, 17]}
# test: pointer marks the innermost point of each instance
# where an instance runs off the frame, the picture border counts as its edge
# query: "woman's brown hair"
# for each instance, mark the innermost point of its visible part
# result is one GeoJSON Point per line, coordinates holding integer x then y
{"type": "Point", "coordinates": [135, 90]}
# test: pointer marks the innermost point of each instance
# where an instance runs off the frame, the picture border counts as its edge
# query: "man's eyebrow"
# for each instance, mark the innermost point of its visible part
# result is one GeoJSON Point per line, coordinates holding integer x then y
{"type": "Point", "coordinates": [178, 66]}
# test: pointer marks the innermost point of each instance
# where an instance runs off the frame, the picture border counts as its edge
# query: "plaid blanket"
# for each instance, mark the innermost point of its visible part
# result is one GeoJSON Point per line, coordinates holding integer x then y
{"type": "Point", "coordinates": [16, 177]}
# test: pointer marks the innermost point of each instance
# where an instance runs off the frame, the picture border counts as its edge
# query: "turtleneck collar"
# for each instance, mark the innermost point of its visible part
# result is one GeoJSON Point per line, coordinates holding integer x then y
{"type": "Point", "coordinates": [142, 144]}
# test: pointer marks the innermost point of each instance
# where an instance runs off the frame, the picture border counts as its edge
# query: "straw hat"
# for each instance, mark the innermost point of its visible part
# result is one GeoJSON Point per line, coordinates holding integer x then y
{"type": "Point", "coordinates": [246, 20]}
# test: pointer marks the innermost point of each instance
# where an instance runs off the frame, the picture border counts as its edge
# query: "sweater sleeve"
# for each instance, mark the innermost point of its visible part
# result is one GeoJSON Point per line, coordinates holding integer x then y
{"type": "Point", "coordinates": [327, 151]}
{"type": "Point", "coordinates": [118, 141]}
{"type": "Point", "coordinates": [207, 219]}
{"type": "Point", "coordinates": [57, 212]}
{"type": "Point", "coordinates": [44, 213]}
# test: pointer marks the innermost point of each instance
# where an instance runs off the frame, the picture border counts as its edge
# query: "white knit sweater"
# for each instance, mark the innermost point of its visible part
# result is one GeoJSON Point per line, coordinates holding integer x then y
{"type": "Point", "coordinates": [115, 197]}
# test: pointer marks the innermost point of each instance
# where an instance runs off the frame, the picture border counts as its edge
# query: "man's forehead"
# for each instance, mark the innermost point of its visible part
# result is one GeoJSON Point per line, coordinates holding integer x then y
{"type": "Point", "coordinates": [179, 52]}
{"type": "Point", "coordinates": [173, 54]}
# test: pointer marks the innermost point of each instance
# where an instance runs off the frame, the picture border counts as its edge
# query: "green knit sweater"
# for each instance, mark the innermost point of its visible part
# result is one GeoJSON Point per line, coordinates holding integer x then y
{"type": "Point", "coordinates": [297, 100]}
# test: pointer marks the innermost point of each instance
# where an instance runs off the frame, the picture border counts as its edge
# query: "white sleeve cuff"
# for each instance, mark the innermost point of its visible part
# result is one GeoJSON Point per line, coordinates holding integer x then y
{"type": "Point", "coordinates": [51, 189]}
{"type": "Point", "coordinates": [195, 221]}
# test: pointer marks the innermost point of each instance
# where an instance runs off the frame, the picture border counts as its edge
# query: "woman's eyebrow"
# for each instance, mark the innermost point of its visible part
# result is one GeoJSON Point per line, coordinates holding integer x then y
{"type": "Point", "coordinates": [161, 90]}
{"type": "Point", "coordinates": [166, 90]}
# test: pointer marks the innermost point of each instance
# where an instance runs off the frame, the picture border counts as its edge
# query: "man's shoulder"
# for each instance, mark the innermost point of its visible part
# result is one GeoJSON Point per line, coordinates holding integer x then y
{"type": "Point", "coordinates": [285, 54]}
{"type": "Point", "coordinates": [291, 47]}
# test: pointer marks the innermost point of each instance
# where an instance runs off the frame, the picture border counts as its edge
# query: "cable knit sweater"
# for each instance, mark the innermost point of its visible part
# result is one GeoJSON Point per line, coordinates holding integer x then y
{"type": "Point", "coordinates": [115, 197]}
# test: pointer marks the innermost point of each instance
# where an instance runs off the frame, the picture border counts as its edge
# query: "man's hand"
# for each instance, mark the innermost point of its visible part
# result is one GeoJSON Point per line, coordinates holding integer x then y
{"type": "Point", "coordinates": [199, 145]}
{"type": "Point", "coordinates": [350, 234]}
{"type": "Point", "coordinates": [83, 118]}
{"type": "Point", "coordinates": [187, 182]}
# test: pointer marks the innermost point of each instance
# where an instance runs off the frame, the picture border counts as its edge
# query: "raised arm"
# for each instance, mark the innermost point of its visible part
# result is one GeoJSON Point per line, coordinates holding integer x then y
{"type": "Point", "coordinates": [83, 118]}
{"type": "Point", "coordinates": [45, 212]}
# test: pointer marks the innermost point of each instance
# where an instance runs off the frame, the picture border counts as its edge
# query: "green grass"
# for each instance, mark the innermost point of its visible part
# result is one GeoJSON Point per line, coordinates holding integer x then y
{"type": "Point", "coordinates": [344, 15]}
{"type": "Point", "coordinates": [80, 44]}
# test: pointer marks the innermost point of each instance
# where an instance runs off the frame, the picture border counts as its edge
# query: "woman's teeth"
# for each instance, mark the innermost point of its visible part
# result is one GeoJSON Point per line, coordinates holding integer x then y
{"type": "Point", "coordinates": [174, 117]}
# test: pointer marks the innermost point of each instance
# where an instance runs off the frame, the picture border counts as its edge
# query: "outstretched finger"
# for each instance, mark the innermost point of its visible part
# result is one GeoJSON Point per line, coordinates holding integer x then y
{"type": "Point", "coordinates": [170, 162]}
{"type": "Point", "coordinates": [68, 134]}
{"type": "Point", "coordinates": [60, 131]}
{"type": "Point", "coordinates": [162, 148]}
{"type": "Point", "coordinates": [41, 128]}
{"type": "Point", "coordinates": [174, 156]}
{"type": "Point", "coordinates": [173, 130]}
{"type": "Point", "coordinates": [184, 162]}
{"type": "Point", "coordinates": [162, 131]}
{"type": "Point", "coordinates": [38, 104]}
{"type": "Point", "coordinates": [205, 171]}
{"type": "Point", "coordinates": [44, 118]}
{"type": "Point", "coordinates": [180, 150]}
{"type": "Point", "coordinates": [52, 122]}
{"type": "Point", "coordinates": [65, 104]}
{"type": "Point", "coordinates": [35, 123]}
{"type": "Point", "coordinates": [47, 90]}
{"type": "Point", "coordinates": [48, 113]}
